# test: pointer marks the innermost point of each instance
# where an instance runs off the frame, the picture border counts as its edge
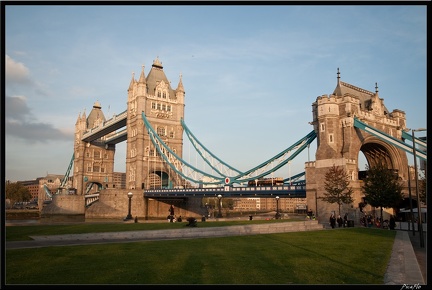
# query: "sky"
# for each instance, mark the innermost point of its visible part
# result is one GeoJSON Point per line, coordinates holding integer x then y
{"type": "Point", "coordinates": [250, 72]}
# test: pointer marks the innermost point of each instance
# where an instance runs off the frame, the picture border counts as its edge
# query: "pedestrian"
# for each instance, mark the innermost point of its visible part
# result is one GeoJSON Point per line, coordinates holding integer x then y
{"type": "Point", "coordinates": [346, 219]}
{"type": "Point", "coordinates": [369, 221]}
{"type": "Point", "coordinates": [339, 221]}
{"type": "Point", "coordinates": [332, 221]}
{"type": "Point", "coordinates": [392, 224]}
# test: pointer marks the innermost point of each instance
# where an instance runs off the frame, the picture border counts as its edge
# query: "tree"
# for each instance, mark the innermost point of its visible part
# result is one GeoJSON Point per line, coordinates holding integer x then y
{"type": "Point", "coordinates": [382, 188]}
{"type": "Point", "coordinates": [337, 187]}
{"type": "Point", "coordinates": [15, 191]}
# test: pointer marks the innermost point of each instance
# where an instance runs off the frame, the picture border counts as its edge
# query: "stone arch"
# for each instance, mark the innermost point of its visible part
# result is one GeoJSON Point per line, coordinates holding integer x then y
{"type": "Point", "coordinates": [376, 150]}
{"type": "Point", "coordinates": [99, 186]}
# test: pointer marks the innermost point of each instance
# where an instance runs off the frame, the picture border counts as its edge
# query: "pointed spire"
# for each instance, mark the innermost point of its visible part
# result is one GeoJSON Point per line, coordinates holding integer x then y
{"type": "Point", "coordinates": [157, 63]}
{"type": "Point", "coordinates": [338, 90]}
{"type": "Point", "coordinates": [142, 78]}
{"type": "Point", "coordinates": [78, 119]}
{"type": "Point", "coordinates": [376, 88]}
{"type": "Point", "coordinates": [180, 84]}
{"type": "Point", "coordinates": [132, 81]}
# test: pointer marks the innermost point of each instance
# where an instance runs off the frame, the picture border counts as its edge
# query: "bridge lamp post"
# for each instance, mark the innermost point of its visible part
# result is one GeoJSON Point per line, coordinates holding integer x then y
{"type": "Point", "coordinates": [129, 216]}
{"type": "Point", "coordinates": [277, 207]}
{"type": "Point", "coordinates": [219, 205]}
{"type": "Point", "coordinates": [420, 226]}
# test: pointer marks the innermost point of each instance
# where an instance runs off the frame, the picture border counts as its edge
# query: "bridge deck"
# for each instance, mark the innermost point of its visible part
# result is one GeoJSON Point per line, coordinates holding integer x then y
{"type": "Point", "coordinates": [293, 191]}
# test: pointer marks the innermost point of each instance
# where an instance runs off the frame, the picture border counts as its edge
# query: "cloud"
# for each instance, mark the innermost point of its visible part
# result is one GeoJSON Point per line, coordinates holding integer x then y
{"type": "Point", "coordinates": [20, 123]}
{"type": "Point", "coordinates": [16, 72]}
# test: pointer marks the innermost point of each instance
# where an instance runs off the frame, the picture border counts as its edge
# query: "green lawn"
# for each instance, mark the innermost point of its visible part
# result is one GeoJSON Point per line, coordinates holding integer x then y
{"type": "Point", "coordinates": [338, 256]}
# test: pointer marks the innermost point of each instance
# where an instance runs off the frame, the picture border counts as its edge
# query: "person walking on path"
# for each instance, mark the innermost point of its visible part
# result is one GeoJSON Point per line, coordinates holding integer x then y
{"type": "Point", "coordinates": [339, 221]}
{"type": "Point", "coordinates": [332, 220]}
{"type": "Point", "coordinates": [392, 223]}
{"type": "Point", "coordinates": [345, 220]}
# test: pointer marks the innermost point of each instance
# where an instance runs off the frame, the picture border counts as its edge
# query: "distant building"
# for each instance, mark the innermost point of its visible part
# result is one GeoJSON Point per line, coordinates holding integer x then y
{"type": "Point", "coordinates": [32, 186]}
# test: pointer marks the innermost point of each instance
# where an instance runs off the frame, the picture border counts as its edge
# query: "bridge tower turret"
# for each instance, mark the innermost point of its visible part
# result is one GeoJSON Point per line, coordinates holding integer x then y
{"type": "Point", "coordinates": [93, 162]}
{"type": "Point", "coordinates": [164, 108]}
{"type": "Point", "coordinates": [339, 142]}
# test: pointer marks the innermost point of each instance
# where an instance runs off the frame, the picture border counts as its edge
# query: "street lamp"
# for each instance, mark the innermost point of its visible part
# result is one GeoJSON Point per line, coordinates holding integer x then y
{"type": "Point", "coordinates": [129, 216]}
{"type": "Point", "coordinates": [220, 206]}
{"type": "Point", "coordinates": [420, 226]}
{"type": "Point", "coordinates": [277, 207]}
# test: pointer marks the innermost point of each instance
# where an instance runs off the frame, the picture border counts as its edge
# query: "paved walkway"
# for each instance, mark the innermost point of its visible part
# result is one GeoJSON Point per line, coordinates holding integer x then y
{"type": "Point", "coordinates": [407, 264]}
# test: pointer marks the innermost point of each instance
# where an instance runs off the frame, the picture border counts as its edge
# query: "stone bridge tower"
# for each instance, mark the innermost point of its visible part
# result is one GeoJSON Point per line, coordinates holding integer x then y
{"type": "Point", "coordinates": [164, 108]}
{"type": "Point", "coordinates": [93, 161]}
{"type": "Point", "coordinates": [339, 143]}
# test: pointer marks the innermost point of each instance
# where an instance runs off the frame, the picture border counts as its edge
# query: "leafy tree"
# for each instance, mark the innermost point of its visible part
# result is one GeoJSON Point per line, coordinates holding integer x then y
{"type": "Point", "coordinates": [15, 191]}
{"type": "Point", "coordinates": [337, 187]}
{"type": "Point", "coordinates": [382, 188]}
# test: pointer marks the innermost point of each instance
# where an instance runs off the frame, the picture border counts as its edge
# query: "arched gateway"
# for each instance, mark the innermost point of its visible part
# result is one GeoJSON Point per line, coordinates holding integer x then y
{"type": "Point", "coordinates": [340, 142]}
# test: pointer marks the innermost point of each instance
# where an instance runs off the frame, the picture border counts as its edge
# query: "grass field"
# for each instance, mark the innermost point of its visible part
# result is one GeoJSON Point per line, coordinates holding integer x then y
{"type": "Point", "coordinates": [336, 256]}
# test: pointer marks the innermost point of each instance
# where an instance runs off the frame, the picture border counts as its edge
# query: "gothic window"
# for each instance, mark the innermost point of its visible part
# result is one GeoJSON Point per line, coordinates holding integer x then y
{"type": "Point", "coordinates": [161, 131]}
{"type": "Point", "coordinates": [163, 107]}
{"type": "Point", "coordinates": [96, 168]}
{"type": "Point", "coordinates": [164, 95]}
{"type": "Point", "coordinates": [322, 127]}
{"type": "Point", "coordinates": [331, 139]}
{"type": "Point", "coordinates": [159, 94]}
{"type": "Point", "coordinates": [171, 134]}
{"type": "Point", "coordinates": [106, 156]}
{"type": "Point", "coordinates": [131, 173]}
{"type": "Point", "coordinates": [97, 155]}
{"type": "Point", "coordinates": [102, 169]}
{"type": "Point", "coordinates": [168, 108]}
{"type": "Point", "coordinates": [153, 105]}
{"type": "Point", "coordinates": [87, 154]}
{"type": "Point", "coordinates": [152, 152]}
{"type": "Point", "coordinates": [89, 167]}
{"type": "Point", "coordinates": [158, 106]}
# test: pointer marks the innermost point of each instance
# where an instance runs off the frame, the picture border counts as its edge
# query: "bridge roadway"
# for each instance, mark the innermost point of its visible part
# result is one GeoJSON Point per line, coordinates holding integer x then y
{"type": "Point", "coordinates": [291, 191]}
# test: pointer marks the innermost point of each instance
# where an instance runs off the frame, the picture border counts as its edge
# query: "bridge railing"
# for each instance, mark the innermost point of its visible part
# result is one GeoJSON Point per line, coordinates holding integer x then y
{"type": "Point", "coordinates": [91, 198]}
{"type": "Point", "coordinates": [259, 191]}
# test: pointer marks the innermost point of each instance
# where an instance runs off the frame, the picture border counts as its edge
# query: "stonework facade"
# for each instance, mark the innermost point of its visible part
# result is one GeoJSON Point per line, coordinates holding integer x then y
{"type": "Point", "coordinates": [339, 142]}
{"type": "Point", "coordinates": [164, 108]}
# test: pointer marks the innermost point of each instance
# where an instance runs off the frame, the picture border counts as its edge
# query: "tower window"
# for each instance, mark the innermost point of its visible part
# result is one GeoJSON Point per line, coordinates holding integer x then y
{"type": "Point", "coordinates": [161, 131]}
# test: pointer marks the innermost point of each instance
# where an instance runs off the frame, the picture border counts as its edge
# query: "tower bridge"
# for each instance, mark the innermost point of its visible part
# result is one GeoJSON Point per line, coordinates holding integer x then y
{"type": "Point", "coordinates": [348, 121]}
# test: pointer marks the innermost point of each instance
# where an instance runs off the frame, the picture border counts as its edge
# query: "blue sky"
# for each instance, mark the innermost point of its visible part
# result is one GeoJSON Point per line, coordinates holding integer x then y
{"type": "Point", "coordinates": [251, 73]}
